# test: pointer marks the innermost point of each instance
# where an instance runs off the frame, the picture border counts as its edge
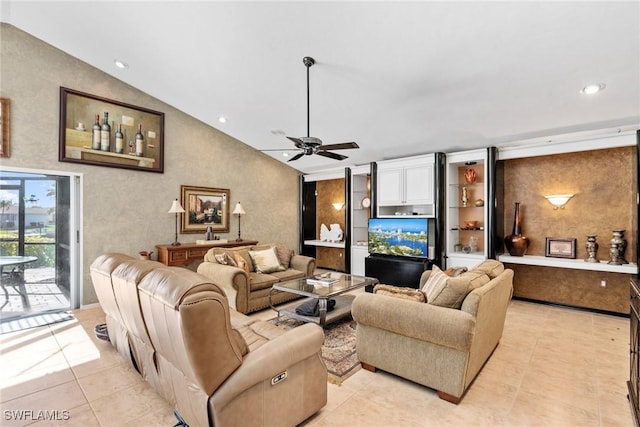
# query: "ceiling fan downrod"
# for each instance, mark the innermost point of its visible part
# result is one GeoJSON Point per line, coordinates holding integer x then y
{"type": "Point", "coordinates": [308, 62]}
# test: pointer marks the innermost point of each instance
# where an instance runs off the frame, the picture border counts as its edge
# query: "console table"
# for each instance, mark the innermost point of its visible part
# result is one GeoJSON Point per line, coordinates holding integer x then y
{"type": "Point", "coordinates": [187, 253]}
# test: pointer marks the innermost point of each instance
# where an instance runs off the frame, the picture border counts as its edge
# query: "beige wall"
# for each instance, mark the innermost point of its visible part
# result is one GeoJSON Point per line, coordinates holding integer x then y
{"type": "Point", "coordinates": [125, 210]}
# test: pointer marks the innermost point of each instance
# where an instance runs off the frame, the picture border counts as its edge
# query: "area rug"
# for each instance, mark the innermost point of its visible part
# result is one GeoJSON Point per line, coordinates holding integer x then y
{"type": "Point", "coordinates": [338, 350]}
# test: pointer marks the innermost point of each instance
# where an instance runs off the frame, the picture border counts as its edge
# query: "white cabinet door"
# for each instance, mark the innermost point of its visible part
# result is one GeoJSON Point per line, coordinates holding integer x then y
{"type": "Point", "coordinates": [390, 187]}
{"type": "Point", "coordinates": [418, 187]}
{"type": "Point", "coordinates": [358, 254]}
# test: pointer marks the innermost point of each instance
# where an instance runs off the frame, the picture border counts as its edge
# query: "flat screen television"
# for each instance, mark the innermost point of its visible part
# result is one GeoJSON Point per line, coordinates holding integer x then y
{"type": "Point", "coordinates": [404, 236]}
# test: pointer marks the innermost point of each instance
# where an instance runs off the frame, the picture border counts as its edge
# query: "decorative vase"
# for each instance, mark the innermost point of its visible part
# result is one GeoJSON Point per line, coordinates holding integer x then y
{"type": "Point", "coordinates": [619, 242]}
{"type": "Point", "coordinates": [465, 197]}
{"type": "Point", "coordinates": [470, 175]}
{"type": "Point", "coordinates": [516, 243]}
{"type": "Point", "coordinates": [592, 248]}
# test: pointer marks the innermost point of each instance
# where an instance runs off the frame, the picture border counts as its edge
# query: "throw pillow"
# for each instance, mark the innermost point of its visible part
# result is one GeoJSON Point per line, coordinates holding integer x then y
{"type": "Point", "coordinates": [266, 261]}
{"type": "Point", "coordinates": [456, 289]}
{"type": "Point", "coordinates": [284, 255]}
{"type": "Point", "coordinates": [225, 259]}
{"type": "Point", "coordinates": [240, 261]}
{"type": "Point", "coordinates": [398, 292]}
{"type": "Point", "coordinates": [491, 268]}
{"type": "Point", "coordinates": [435, 283]}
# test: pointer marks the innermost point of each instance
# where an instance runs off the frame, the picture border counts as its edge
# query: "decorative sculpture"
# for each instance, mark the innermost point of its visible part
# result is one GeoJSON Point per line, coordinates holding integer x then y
{"type": "Point", "coordinates": [334, 234]}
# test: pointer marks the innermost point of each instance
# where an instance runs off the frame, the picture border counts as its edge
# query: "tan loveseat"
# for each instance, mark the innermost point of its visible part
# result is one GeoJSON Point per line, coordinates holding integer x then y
{"type": "Point", "coordinates": [215, 365]}
{"type": "Point", "coordinates": [440, 347]}
{"type": "Point", "coordinates": [248, 288]}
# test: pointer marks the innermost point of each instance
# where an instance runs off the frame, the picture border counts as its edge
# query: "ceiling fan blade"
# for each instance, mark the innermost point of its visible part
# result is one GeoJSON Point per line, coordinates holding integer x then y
{"type": "Point", "coordinates": [331, 155]}
{"type": "Point", "coordinates": [297, 141]}
{"type": "Point", "coordinates": [296, 157]}
{"type": "Point", "coordinates": [343, 146]}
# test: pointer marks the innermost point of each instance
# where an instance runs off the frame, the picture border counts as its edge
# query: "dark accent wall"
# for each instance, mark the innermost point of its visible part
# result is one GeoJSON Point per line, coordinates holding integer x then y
{"type": "Point", "coordinates": [605, 199]}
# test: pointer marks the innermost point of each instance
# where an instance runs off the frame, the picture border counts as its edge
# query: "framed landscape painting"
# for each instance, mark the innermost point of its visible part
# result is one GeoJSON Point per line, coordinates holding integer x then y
{"type": "Point", "coordinates": [204, 207]}
{"type": "Point", "coordinates": [103, 132]}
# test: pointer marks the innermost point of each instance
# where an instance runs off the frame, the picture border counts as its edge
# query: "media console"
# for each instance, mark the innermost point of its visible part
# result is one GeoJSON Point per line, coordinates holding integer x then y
{"type": "Point", "coordinates": [396, 271]}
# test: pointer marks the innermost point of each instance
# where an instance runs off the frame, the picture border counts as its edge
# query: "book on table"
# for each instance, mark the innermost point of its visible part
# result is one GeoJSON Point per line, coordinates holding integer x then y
{"type": "Point", "coordinates": [322, 280]}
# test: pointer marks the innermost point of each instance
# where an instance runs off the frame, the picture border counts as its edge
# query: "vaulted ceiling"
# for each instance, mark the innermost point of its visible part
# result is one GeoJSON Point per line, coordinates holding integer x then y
{"type": "Point", "coordinates": [399, 78]}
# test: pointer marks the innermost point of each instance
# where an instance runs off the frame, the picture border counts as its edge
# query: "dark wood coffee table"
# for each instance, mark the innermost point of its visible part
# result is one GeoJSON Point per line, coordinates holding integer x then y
{"type": "Point", "coordinates": [322, 293]}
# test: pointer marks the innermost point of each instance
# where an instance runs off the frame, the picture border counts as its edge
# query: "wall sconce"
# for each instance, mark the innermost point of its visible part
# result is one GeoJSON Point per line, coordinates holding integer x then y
{"type": "Point", "coordinates": [338, 206]}
{"type": "Point", "coordinates": [559, 200]}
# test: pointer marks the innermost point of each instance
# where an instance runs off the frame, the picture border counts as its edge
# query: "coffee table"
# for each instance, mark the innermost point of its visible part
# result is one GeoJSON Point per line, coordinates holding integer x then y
{"type": "Point", "coordinates": [345, 283]}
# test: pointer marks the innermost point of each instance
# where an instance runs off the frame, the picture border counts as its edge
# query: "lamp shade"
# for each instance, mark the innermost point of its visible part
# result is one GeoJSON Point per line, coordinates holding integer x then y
{"type": "Point", "coordinates": [238, 210]}
{"type": "Point", "coordinates": [176, 207]}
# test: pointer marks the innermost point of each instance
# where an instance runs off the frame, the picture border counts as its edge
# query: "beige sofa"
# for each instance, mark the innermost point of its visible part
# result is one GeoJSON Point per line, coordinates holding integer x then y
{"type": "Point", "coordinates": [439, 347]}
{"type": "Point", "coordinates": [248, 288]}
{"type": "Point", "coordinates": [213, 364]}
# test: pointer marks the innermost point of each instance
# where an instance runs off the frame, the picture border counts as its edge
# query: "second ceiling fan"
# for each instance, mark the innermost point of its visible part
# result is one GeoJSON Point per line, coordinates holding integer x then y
{"type": "Point", "coordinates": [309, 145]}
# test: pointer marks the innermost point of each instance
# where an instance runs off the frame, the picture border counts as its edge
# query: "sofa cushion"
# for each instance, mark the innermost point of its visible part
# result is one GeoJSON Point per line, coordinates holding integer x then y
{"type": "Point", "coordinates": [232, 252]}
{"type": "Point", "coordinates": [261, 281]}
{"type": "Point", "coordinates": [284, 255]}
{"type": "Point", "coordinates": [288, 274]}
{"type": "Point", "coordinates": [225, 259]}
{"type": "Point", "coordinates": [399, 292]}
{"type": "Point", "coordinates": [242, 263]}
{"type": "Point", "coordinates": [491, 268]}
{"type": "Point", "coordinates": [435, 283]}
{"type": "Point", "coordinates": [265, 261]}
{"type": "Point", "coordinates": [455, 290]}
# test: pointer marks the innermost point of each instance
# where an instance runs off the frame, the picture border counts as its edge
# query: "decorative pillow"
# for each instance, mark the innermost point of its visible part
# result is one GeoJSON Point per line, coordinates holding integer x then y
{"type": "Point", "coordinates": [240, 261]}
{"type": "Point", "coordinates": [456, 289]}
{"type": "Point", "coordinates": [398, 292]}
{"type": "Point", "coordinates": [225, 259]}
{"type": "Point", "coordinates": [284, 255]}
{"type": "Point", "coordinates": [455, 271]}
{"type": "Point", "coordinates": [490, 267]}
{"type": "Point", "coordinates": [266, 261]}
{"type": "Point", "coordinates": [435, 283]}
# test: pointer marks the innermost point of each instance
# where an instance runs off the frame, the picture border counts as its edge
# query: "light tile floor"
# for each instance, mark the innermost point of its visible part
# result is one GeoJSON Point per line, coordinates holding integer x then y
{"type": "Point", "coordinates": [553, 367]}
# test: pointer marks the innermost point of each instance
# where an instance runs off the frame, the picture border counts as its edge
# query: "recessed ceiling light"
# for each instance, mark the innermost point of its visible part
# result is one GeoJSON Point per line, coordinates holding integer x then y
{"type": "Point", "coordinates": [285, 154]}
{"type": "Point", "coordinates": [120, 64]}
{"type": "Point", "coordinates": [222, 119]}
{"type": "Point", "coordinates": [277, 132]}
{"type": "Point", "coordinates": [592, 89]}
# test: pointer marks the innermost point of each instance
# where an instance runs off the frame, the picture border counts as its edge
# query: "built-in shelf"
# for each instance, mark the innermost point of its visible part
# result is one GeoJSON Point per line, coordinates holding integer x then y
{"type": "Point", "coordinates": [576, 264]}
{"type": "Point", "coordinates": [325, 244]}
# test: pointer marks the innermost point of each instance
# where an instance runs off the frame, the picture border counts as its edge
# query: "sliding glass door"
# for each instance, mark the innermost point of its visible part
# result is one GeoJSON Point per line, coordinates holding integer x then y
{"type": "Point", "coordinates": [36, 251]}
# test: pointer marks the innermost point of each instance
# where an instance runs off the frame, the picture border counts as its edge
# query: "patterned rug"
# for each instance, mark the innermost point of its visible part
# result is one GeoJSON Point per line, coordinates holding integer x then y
{"type": "Point", "coordinates": [338, 350]}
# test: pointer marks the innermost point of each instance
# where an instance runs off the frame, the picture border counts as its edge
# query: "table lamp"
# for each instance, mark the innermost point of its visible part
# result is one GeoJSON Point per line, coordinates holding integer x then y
{"type": "Point", "coordinates": [176, 208]}
{"type": "Point", "coordinates": [238, 210]}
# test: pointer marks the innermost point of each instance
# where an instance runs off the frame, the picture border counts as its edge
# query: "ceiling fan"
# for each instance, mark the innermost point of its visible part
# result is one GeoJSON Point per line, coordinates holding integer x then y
{"type": "Point", "coordinates": [309, 145]}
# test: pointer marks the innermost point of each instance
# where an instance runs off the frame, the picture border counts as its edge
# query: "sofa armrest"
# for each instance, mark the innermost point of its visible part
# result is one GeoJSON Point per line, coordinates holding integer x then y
{"type": "Point", "coordinates": [234, 282]}
{"type": "Point", "coordinates": [271, 359]}
{"type": "Point", "coordinates": [303, 263]}
{"type": "Point", "coordinates": [443, 326]}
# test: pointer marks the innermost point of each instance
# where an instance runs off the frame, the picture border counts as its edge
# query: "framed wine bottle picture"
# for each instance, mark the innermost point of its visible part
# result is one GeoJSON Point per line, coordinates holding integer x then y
{"type": "Point", "coordinates": [103, 132]}
{"type": "Point", "coordinates": [5, 123]}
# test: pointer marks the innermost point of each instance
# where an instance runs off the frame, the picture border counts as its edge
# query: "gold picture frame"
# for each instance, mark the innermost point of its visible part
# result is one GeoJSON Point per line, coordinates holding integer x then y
{"type": "Point", "coordinates": [204, 207]}
{"type": "Point", "coordinates": [5, 127]}
{"type": "Point", "coordinates": [78, 113]}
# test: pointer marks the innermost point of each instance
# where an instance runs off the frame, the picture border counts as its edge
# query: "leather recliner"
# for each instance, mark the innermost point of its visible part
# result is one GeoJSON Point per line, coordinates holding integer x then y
{"type": "Point", "coordinates": [215, 365]}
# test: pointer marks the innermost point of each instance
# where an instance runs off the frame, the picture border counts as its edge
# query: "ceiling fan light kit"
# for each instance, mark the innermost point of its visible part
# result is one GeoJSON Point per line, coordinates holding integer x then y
{"type": "Point", "coordinates": [308, 145]}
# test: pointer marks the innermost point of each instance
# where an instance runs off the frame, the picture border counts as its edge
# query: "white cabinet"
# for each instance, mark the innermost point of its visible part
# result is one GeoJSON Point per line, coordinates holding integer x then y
{"type": "Point", "coordinates": [406, 186]}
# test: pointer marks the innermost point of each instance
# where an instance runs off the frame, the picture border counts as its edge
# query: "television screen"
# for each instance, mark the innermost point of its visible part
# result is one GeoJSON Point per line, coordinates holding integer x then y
{"type": "Point", "coordinates": [399, 236]}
